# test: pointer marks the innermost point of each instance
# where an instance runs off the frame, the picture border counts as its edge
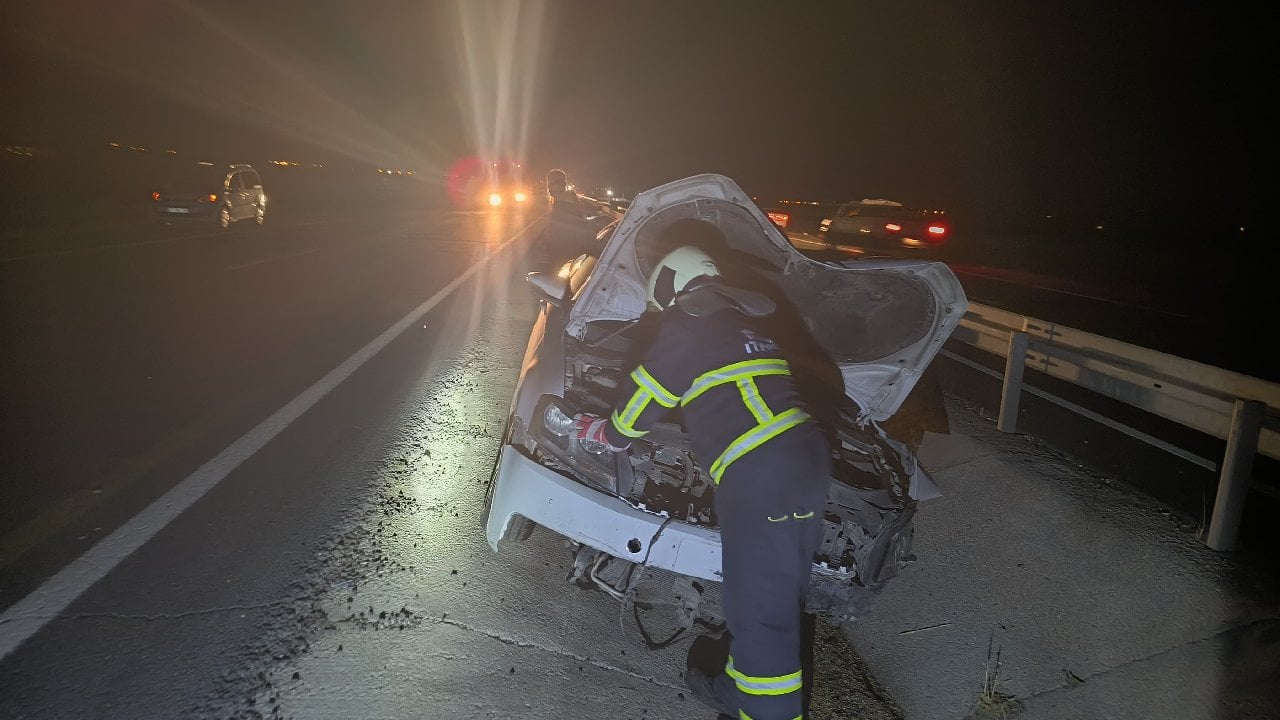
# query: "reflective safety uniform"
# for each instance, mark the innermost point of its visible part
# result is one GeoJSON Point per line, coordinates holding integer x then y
{"type": "Point", "coordinates": [772, 469]}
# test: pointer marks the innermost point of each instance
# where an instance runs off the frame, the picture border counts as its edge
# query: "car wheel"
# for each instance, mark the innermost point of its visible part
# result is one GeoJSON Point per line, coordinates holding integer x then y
{"type": "Point", "coordinates": [224, 217]}
{"type": "Point", "coordinates": [520, 528]}
{"type": "Point", "coordinates": [260, 215]}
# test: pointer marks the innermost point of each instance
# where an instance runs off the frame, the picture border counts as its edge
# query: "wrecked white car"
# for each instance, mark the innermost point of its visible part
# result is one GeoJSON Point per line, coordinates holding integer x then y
{"type": "Point", "coordinates": [648, 512]}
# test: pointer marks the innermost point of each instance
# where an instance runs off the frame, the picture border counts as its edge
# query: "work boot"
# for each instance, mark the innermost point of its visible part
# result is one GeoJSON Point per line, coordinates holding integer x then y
{"type": "Point", "coordinates": [703, 687]}
{"type": "Point", "coordinates": [708, 653]}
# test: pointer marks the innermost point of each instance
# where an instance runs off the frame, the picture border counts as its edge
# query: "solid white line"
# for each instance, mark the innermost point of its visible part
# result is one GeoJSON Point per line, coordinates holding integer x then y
{"type": "Point", "coordinates": [28, 615]}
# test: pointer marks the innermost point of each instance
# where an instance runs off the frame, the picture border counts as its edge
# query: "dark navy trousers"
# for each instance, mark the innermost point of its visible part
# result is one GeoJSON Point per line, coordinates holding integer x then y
{"type": "Point", "coordinates": [770, 505]}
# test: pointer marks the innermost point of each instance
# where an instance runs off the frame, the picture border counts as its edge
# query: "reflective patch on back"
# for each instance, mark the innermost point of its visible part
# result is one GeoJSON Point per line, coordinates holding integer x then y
{"type": "Point", "coordinates": [756, 344]}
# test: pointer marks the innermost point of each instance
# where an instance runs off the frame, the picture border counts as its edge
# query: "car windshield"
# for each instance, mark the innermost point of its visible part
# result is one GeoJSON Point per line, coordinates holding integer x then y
{"type": "Point", "coordinates": [193, 179]}
{"type": "Point", "coordinates": [505, 174]}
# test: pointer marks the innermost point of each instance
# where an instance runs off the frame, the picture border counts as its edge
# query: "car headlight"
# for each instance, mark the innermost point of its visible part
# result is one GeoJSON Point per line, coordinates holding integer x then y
{"type": "Point", "coordinates": [556, 421]}
{"type": "Point", "coordinates": [549, 433]}
{"type": "Point", "coordinates": [521, 197]}
{"type": "Point", "coordinates": [495, 199]}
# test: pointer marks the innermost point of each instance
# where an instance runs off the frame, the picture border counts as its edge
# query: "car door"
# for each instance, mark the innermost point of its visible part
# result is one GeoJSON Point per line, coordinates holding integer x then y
{"type": "Point", "coordinates": [845, 220]}
{"type": "Point", "coordinates": [233, 190]}
{"type": "Point", "coordinates": [252, 189]}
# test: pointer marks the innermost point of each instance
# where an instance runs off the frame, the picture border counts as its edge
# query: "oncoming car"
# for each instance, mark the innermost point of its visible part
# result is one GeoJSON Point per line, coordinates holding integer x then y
{"type": "Point", "coordinates": [500, 185]}
{"type": "Point", "coordinates": [868, 328]}
{"type": "Point", "coordinates": [216, 194]}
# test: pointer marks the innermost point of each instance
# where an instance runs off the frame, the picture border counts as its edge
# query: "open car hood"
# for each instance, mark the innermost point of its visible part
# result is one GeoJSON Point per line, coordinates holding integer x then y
{"type": "Point", "coordinates": [881, 322]}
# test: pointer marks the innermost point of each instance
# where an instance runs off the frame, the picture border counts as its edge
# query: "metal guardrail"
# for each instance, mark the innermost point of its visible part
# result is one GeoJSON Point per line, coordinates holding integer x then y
{"type": "Point", "coordinates": [1243, 410]}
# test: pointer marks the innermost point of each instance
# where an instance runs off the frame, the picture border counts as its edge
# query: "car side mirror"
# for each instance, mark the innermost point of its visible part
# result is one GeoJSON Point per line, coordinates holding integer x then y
{"type": "Point", "coordinates": [552, 288]}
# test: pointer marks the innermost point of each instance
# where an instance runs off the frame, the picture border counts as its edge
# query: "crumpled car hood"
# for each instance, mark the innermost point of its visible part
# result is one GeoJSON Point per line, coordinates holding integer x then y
{"type": "Point", "coordinates": [880, 321]}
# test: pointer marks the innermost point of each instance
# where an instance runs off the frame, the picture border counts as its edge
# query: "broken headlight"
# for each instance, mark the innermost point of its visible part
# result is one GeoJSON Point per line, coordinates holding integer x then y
{"type": "Point", "coordinates": [551, 431]}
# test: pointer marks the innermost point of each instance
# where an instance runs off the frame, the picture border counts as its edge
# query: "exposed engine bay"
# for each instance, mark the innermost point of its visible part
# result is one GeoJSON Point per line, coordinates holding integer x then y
{"type": "Point", "coordinates": [867, 535]}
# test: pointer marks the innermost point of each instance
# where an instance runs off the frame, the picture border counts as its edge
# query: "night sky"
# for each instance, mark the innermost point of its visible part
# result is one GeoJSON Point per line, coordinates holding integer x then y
{"type": "Point", "coordinates": [1143, 109]}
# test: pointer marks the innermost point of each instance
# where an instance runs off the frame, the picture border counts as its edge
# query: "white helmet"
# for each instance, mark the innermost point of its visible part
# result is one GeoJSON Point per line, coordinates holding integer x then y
{"type": "Point", "coordinates": [674, 273]}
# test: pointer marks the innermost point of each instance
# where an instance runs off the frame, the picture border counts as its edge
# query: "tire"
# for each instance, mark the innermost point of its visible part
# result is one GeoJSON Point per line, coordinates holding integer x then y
{"type": "Point", "coordinates": [259, 215]}
{"type": "Point", "coordinates": [520, 528]}
{"type": "Point", "coordinates": [224, 217]}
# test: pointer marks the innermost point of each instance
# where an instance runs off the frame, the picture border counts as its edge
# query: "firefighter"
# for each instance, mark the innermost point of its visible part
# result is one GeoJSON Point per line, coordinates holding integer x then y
{"type": "Point", "coordinates": [711, 357]}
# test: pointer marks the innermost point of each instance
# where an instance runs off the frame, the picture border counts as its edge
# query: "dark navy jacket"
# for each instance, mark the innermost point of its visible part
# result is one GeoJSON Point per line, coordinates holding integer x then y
{"type": "Point", "coordinates": [728, 377]}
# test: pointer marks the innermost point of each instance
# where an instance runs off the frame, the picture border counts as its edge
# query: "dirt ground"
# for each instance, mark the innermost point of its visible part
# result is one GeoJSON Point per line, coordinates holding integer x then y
{"type": "Point", "coordinates": [843, 686]}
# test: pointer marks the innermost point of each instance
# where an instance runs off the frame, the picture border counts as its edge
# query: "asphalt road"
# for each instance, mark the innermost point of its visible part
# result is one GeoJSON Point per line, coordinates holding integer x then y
{"type": "Point", "coordinates": [131, 359]}
{"type": "Point", "coordinates": [245, 480]}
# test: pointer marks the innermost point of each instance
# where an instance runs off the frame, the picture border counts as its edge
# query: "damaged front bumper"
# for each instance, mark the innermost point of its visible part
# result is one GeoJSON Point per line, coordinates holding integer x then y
{"type": "Point", "coordinates": [524, 487]}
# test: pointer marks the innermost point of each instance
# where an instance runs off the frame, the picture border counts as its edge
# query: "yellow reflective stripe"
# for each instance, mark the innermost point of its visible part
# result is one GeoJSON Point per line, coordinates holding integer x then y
{"type": "Point", "coordinates": [805, 516]}
{"type": "Point", "coordinates": [635, 406]}
{"type": "Point", "coordinates": [647, 388]}
{"type": "Point", "coordinates": [751, 398]}
{"type": "Point", "coordinates": [626, 428]}
{"type": "Point", "coordinates": [742, 715]}
{"type": "Point", "coordinates": [754, 438]}
{"type": "Point", "coordinates": [643, 379]}
{"type": "Point", "coordinates": [778, 685]}
{"type": "Point", "coordinates": [776, 519]}
{"type": "Point", "coordinates": [731, 373]}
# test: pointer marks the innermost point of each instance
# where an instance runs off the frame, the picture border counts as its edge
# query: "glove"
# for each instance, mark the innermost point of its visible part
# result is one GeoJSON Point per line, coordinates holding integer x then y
{"type": "Point", "coordinates": [590, 429]}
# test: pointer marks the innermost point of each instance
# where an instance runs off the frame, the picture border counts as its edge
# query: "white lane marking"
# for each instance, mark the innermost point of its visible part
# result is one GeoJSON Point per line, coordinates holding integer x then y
{"type": "Point", "coordinates": [264, 261]}
{"type": "Point", "coordinates": [27, 616]}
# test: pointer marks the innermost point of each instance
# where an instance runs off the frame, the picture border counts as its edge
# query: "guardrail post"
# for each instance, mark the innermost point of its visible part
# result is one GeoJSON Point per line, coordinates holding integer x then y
{"type": "Point", "coordinates": [1015, 363]}
{"type": "Point", "coordinates": [1237, 471]}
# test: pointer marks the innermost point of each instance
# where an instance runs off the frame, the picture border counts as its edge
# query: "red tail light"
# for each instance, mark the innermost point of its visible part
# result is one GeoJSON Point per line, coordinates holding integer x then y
{"type": "Point", "coordinates": [780, 218]}
{"type": "Point", "coordinates": [155, 196]}
{"type": "Point", "coordinates": [893, 227]}
{"type": "Point", "coordinates": [210, 198]}
{"type": "Point", "coordinates": [937, 231]}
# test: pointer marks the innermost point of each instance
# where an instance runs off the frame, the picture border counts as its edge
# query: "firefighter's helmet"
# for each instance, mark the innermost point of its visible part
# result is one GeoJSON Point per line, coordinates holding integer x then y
{"type": "Point", "coordinates": [674, 273]}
